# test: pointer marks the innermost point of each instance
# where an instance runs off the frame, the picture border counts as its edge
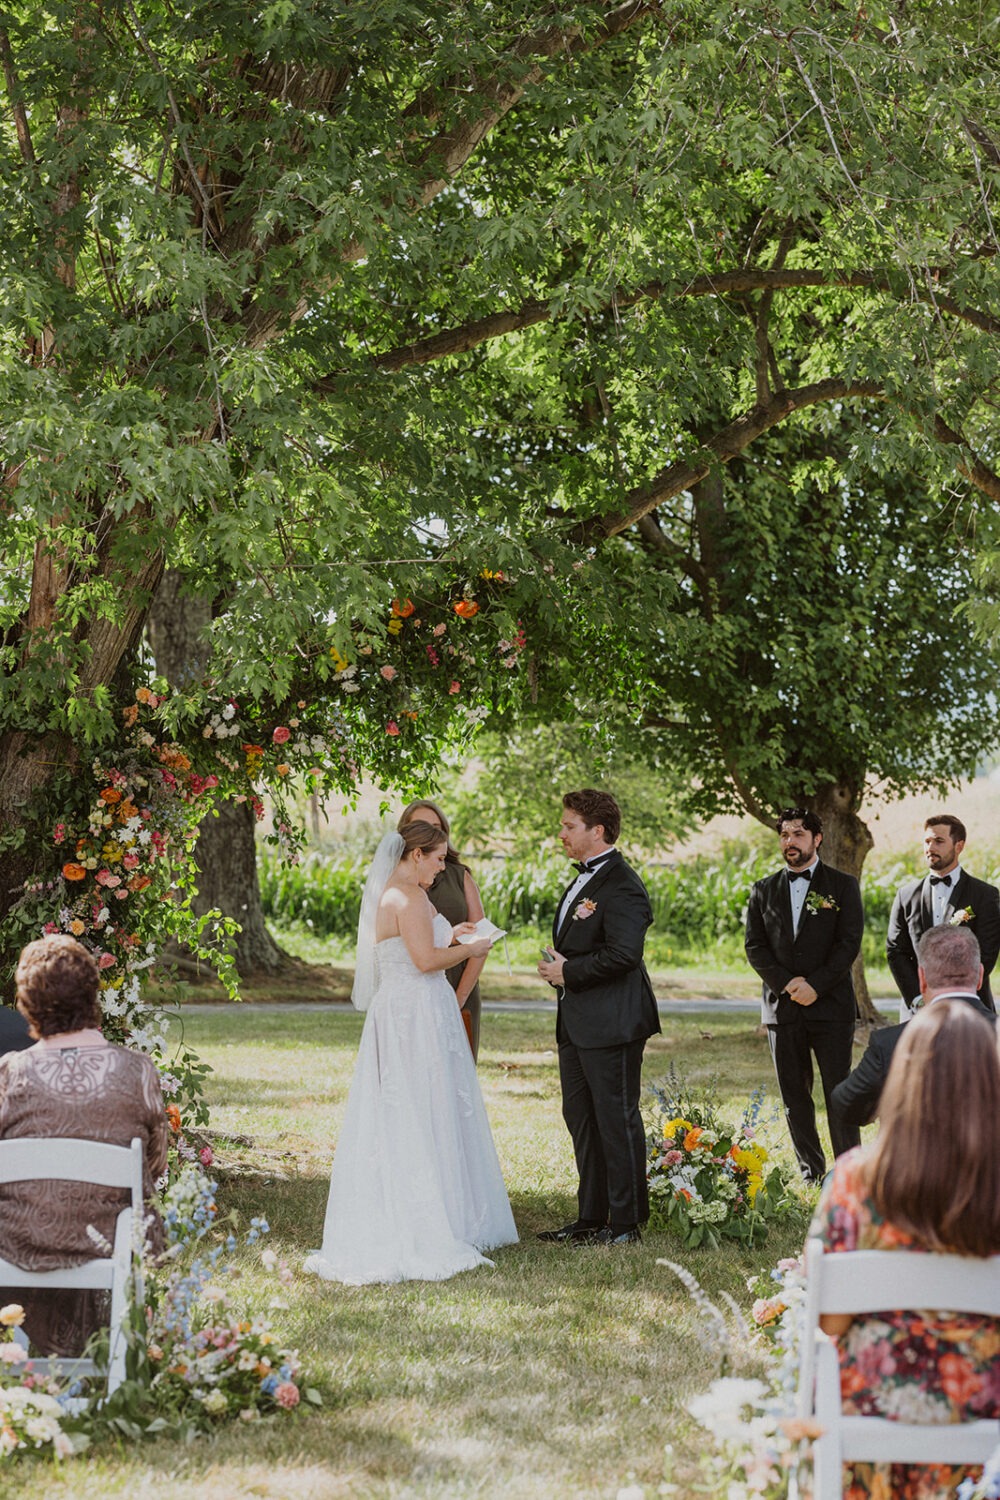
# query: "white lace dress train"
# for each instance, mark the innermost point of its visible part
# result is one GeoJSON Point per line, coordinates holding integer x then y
{"type": "Point", "coordinates": [416, 1191]}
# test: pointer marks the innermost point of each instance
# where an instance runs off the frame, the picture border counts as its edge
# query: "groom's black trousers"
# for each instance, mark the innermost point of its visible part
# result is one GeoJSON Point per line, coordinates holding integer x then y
{"type": "Point", "coordinates": [600, 1093]}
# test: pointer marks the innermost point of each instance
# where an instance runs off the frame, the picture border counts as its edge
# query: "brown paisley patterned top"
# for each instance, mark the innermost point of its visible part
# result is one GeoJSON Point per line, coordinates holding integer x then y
{"type": "Point", "coordinates": [99, 1093]}
{"type": "Point", "coordinates": [103, 1093]}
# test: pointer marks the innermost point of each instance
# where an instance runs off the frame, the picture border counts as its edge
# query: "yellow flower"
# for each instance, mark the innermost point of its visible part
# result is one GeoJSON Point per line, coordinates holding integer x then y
{"type": "Point", "coordinates": [672, 1126]}
{"type": "Point", "coordinates": [340, 663]}
{"type": "Point", "coordinates": [395, 625]}
{"type": "Point", "coordinates": [77, 928]}
{"type": "Point", "coordinates": [754, 1184]}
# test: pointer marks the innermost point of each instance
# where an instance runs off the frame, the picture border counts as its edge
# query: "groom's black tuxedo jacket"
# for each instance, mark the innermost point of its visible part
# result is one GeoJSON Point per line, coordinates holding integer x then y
{"type": "Point", "coordinates": [855, 1101]}
{"type": "Point", "coordinates": [822, 951]}
{"type": "Point", "coordinates": [912, 914]}
{"type": "Point", "coordinates": [606, 999]}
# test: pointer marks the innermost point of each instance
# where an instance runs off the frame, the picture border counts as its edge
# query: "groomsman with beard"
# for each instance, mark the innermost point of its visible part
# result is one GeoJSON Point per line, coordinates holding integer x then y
{"type": "Point", "coordinates": [606, 1012]}
{"type": "Point", "coordinates": [946, 895]}
{"type": "Point", "coordinates": [803, 933]}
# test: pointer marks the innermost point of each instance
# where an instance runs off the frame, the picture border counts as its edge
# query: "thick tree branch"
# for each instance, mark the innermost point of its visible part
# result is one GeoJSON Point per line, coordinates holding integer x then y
{"type": "Point", "coordinates": [721, 448]}
{"type": "Point", "coordinates": [17, 104]}
{"type": "Point", "coordinates": [497, 95]}
{"type": "Point", "coordinates": [985, 479]}
{"type": "Point", "coordinates": [726, 283]}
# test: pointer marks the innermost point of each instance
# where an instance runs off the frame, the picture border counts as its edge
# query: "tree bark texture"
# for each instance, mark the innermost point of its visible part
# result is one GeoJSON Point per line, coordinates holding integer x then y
{"type": "Point", "coordinates": [226, 851]}
{"type": "Point", "coordinates": [846, 842]}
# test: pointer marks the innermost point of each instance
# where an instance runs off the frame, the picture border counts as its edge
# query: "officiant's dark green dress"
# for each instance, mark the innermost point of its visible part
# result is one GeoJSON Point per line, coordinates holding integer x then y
{"type": "Point", "coordinates": [448, 897]}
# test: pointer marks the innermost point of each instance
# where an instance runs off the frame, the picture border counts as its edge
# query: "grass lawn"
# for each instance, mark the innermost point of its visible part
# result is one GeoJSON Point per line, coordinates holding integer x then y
{"type": "Point", "coordinates": [559, 1373]}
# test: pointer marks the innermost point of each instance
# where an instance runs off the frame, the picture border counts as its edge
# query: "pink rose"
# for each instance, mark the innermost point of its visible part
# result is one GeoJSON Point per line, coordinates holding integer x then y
{"type": "Point", "coordinates": [388, 673]}
{"type": "Point", "coordinates": [454, 687]}
{"type": "Point", "coordinates": [287, 1394]}
{"type": "Point", "coordinates": [105, 877]}
{"type": "Point", "coordinates": [205, 1156]}
{"type": "Point", "coordinates": [439, 630]}
{"type": "Point", "coordinates": [281, 734]}
{"type": "Point", "coordinates": [106, 961]}
{"type": "Point", "coordinates": [392, 727]}
{"type": "Point", "coordinates": [131, 861]}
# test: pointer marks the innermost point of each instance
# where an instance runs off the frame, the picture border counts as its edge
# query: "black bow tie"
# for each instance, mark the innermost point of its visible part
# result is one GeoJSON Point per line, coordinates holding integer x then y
{"type": "Point", "coordinates": [587, 866]}
{"type": "Point", "coordinates": [800, 875]}
{"type": "Point", "coordinates": [940, 880]}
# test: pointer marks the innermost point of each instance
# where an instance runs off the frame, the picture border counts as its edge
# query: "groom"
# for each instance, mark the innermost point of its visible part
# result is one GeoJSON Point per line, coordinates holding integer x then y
{"type": "Point", "coordinates": [606, 1012]}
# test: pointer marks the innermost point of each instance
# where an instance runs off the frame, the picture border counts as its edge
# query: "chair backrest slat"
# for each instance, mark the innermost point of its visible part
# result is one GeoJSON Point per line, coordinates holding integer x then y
{"type": "Point", "coordinates": [869, 1281]}
{"type": "Point", "coordinates": [68, 1159]}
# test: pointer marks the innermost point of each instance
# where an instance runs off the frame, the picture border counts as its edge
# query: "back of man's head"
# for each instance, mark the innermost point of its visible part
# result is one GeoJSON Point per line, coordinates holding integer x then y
{"type": "Point", "coordinates": [949, 959]}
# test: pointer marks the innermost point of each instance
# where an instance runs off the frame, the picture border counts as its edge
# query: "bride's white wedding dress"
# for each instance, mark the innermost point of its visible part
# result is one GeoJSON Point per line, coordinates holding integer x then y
{"type": "Point", "coordinates": [416, 1191]}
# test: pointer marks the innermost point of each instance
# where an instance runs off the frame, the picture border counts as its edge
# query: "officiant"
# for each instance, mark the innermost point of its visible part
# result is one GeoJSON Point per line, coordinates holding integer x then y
{"type": "Point", "coordinates": [456, 896]}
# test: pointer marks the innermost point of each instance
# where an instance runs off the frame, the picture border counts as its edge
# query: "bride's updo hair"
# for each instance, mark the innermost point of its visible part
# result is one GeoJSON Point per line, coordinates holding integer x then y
{"type": "Point", "coordinates": [423, 836]}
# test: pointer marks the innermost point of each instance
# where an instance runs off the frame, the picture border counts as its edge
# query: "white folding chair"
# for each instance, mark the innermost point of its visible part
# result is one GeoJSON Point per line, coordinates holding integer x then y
{"type": "Point", "coordinates": [871, 1281]}
{"type": "Point", "coordinates": [66, 1159]}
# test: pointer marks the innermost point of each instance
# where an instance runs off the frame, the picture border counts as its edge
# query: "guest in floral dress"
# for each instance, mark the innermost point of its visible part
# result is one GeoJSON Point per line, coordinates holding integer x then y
{"type": "Point", "coordinates": [930, 1182]}
{"type": "Point", "coordinates": [70, 1083]}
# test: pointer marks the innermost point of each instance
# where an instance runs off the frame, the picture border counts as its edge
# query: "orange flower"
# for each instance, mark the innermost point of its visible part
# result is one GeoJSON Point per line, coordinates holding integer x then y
{"type": "Point", "coordinates": [403, 608]}
{"type": "Point", "coordinates": [74, 872]}
{"type": "Point", "coordinates": [129, 715]}
{"type": "Point", "coordinates": [958, 1378]}
{"type": "Point", "coordinates": [692, 1138]}
{"type": "Point", "coordinates": [466, 608]}
{"type": "Point", "coordinates": [282, 770]}
{"type": "Point", "coordinates": [111, 794]}
{"type": "Point", "coordinates": [173, 1118]}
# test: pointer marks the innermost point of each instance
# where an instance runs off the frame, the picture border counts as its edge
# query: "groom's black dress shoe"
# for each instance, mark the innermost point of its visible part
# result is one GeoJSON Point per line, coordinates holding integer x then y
{"type": "Point", "coordinates": [610, 1235]}
{"type": "Point", "coordinates": [574, 1234]}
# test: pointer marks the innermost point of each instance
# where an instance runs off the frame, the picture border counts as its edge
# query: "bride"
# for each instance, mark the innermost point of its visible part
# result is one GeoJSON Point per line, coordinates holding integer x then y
{"type": "Point", "coordinates": [416, 1191]}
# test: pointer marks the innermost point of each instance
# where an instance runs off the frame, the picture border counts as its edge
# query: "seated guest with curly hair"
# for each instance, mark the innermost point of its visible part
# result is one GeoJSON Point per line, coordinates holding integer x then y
{"type": "Point", "coordinates": [72, 1082]}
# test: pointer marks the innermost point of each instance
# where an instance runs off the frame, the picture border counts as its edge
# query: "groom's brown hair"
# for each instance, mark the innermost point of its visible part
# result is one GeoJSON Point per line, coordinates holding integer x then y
{"type": "Point", "coordinates": [934, 1171]}
{"type": "Point", "coordinates": [596, 807]}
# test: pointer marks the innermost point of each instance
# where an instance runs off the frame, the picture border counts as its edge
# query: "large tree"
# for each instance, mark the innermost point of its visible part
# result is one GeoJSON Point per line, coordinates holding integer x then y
{"type": "Point", "coordinates": [327, 303]}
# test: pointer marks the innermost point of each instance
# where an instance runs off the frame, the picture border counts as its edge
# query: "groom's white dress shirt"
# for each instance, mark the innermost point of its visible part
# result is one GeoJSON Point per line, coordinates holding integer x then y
{"type": "Point", "coordinates": [575, 889]}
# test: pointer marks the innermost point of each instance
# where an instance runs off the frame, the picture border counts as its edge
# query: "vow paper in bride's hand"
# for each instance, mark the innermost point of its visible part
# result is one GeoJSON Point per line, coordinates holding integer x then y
{"type": "Point", "coordinates": [484, 928]}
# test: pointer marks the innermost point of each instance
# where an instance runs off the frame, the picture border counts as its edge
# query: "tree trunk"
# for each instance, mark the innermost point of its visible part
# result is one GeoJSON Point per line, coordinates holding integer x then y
{"type": "Point", "coordinates": [226, 852]}
{"type": "Point", "coordinates": [846, 843]}
{"type": "Point", "coordinates": [226, 855]}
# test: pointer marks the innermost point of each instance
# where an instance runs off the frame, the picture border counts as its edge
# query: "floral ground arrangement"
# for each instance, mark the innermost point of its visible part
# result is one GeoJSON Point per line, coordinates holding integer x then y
{"type": "Point", "coordinates": [196, 1358]}
{"type": "Point", "coordinates": [710, 1180]}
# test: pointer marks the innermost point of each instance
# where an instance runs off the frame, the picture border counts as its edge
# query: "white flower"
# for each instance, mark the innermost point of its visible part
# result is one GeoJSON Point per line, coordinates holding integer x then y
{"type": "Point", "coordinates": [214, 1402]}
{"type": "Point", "coordinates": [228, 712]}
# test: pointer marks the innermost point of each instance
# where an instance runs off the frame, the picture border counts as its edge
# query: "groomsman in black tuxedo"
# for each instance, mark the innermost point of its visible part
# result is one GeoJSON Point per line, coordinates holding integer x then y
{"type": "Point", "coordinates": [947, 894]}
{"type": "Point", "coordinates": [606, 1011]}
{"type": "Point", "coordinates": [803, 933]}
{"type": "Point", "coordinates": [949, 969]}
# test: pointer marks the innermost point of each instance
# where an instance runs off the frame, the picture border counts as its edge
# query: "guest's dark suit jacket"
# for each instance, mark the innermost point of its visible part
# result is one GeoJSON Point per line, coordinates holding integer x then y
{"type": "Point", "coordinates": [14, 1033]}
{"type": "Point", "coordinates": [856, 1100]}
{"type": "Point", "coordinates": [822, 952]}
{"type": "Point", "coordinates": [912, 914]}
{"type": "Point", "coordinates": [606, 999]}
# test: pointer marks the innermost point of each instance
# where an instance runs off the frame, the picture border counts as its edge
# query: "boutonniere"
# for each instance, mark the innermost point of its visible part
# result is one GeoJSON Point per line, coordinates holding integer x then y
{"type": "Point", "coordinates": [964, 914]}
{"type": "Point", "coordinates": [817, 902]}
{"type": "Point", "coordinates": [584, 910]}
